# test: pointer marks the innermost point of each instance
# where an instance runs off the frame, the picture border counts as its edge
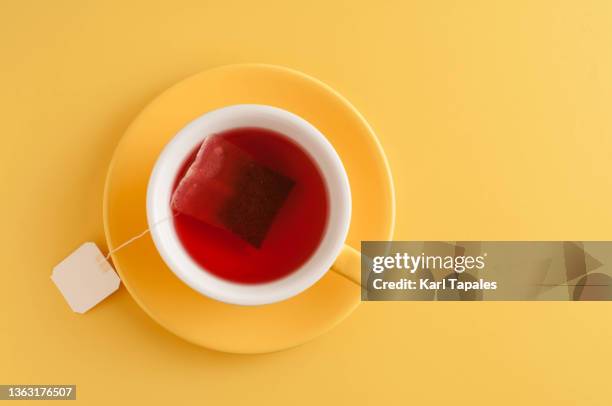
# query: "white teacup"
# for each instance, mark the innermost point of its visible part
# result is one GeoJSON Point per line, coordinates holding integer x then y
{"type": "Point", "coordinates": [159, 212]}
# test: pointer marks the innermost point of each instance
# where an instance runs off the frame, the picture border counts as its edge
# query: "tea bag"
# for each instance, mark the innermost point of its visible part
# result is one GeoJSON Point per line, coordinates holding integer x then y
{"type": "Point", "coordinates": [226, 188]}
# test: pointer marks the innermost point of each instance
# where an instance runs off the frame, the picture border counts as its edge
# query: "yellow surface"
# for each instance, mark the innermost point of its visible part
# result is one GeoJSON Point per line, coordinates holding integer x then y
{"type": "Point", "coordinates": [495, 116]}
{"type": "Point", "coordinates": [217, 325]}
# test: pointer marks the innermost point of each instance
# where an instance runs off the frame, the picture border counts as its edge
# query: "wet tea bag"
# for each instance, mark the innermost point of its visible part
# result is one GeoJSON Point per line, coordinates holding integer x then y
{"type": "Point", "coordinates": [226, 188]}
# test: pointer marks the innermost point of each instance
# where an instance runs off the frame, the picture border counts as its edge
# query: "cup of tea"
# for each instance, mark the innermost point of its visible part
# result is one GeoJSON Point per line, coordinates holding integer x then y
{"type": "Point", "coordinates": [250, 204]}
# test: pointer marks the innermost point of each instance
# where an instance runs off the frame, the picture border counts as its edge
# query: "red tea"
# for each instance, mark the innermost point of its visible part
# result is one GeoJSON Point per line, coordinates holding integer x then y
{"type": "Point", "coordinates": [250, 205]}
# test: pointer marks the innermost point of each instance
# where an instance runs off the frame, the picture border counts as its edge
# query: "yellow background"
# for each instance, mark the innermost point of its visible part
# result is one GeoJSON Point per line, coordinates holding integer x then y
{"type": "Point", "coordinates": [496, 119]}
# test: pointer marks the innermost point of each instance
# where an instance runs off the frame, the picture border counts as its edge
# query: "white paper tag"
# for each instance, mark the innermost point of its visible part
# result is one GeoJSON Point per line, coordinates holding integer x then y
{"type": "Point", "coordinates": [85, 278]}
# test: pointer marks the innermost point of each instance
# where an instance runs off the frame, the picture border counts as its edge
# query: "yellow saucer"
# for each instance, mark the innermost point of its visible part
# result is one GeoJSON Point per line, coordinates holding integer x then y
{"type": "Point", "coordinates": [206, 322]}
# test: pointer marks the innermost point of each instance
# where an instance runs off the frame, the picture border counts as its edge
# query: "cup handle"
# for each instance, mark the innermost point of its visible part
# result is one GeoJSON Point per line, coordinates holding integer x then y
{"type": "Point", "coordinates": [348, 264]}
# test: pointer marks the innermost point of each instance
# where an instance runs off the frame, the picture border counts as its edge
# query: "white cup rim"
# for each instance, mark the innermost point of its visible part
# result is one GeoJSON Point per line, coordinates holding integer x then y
{"type": "Point", "coordinates": [170, 161]}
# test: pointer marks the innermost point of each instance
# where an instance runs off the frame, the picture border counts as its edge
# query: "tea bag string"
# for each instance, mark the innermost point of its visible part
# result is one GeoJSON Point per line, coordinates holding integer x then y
{"type": "Point", "coordinates": [136, 237]}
